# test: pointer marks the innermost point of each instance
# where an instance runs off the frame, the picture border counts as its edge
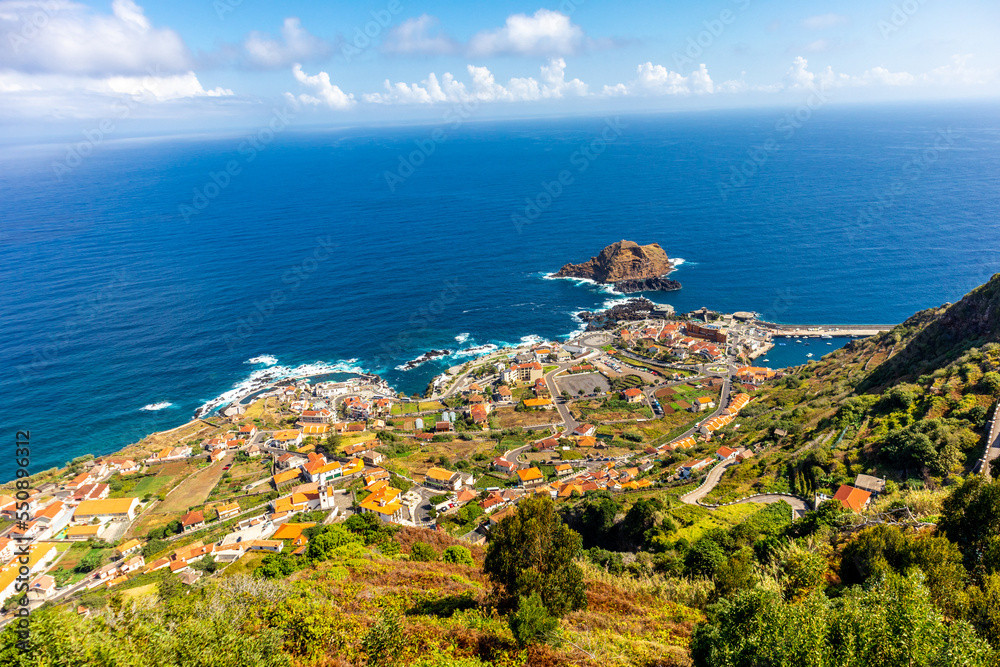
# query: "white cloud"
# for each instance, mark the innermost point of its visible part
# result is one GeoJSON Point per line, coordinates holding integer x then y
{"type": "Point", "coordinates": [798, 76]}
{"type": "Point", "coordinates": [544, 33]}
{"type": "Point", "coordinates": [823, 21]}
{"type": "Point", "coordinates": [483, 87]}
{"type": "Point", "coordinates": [658, 80]}
{"type": "Point", "coordinates": [296, 45]}
{"type": "Point", "coordinates": [880, 76]}
{"type": "Point", "coordinates": [324, 92]}
{"type": "Point", "coordinates": [419, 35]}
{"type": "Point", "coordinates": [959, 73]}
{"type": "Point", "coordinates": [61, 96]}
{"type": "Point", "coordinates": [63, 37]}
{"type": "Point", "coordinates": [177, 86]}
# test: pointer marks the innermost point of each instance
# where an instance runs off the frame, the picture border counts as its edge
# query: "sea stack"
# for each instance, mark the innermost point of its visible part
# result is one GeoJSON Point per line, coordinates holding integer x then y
{"type": "Point", "coordinates": [628, 266]}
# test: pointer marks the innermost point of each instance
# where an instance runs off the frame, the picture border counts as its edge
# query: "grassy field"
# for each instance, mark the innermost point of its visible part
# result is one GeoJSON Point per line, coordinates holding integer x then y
{"type": "Point", "coordinates": [704, 520]}
{"type": "Point", "coordinates": [420, 406]}
{"type": "Point", "coordinates": [416, 463]}
{"type": "Point", "coordinates": [509, 418]}
{"type": "Point", "coordinates": [191, 492]}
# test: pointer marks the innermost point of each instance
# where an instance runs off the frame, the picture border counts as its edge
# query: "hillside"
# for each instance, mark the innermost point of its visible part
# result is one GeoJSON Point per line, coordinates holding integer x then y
{"type": "Point", "coordinates": [938, 337]}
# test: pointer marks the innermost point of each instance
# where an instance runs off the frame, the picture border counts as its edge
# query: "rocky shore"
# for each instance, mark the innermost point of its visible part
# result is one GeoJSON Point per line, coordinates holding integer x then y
{"type": "Point", "coordinates": [631, 310]}
{"type": "Point", "coordinates": [657, 284]}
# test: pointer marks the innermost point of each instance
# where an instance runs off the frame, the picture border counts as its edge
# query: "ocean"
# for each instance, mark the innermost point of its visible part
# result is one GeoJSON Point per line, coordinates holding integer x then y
{"type": "Point", "coordinates": [143, 279]}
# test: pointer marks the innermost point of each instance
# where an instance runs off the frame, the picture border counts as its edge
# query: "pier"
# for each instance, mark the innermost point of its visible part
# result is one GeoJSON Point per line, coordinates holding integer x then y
{"type": "Point", "coordinates": [820, 330]}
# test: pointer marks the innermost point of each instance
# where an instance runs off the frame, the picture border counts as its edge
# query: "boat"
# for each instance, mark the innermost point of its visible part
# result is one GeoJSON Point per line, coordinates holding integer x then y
{"type": "Point", "coordinates": [810, 354]}
{"type": "Point", "coordinates": [826, 336]}
{"type": "Point", "coordinates": [829, 343]}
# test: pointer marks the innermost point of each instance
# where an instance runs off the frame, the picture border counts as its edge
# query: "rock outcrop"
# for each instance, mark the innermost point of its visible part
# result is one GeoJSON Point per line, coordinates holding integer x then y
{"type": "Point", "coordinates": [626, 264]}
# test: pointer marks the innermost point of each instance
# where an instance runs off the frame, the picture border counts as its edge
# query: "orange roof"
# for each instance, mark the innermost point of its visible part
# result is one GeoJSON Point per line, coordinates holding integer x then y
{"type": "Point", "coordinates": [285, 476]}
{"type": "Point", "coordinates": [439, 474]}
{"type": "Point", "coordinates": [530, 475]}
{"type": "Point", "coordinates": [291, 531]}
{"type": "Point", "coordinates": [537, 402]}
{"type": "Point", "coordinates": [852, 498]}
{"type": "Point", "coordinates": [632, 392]}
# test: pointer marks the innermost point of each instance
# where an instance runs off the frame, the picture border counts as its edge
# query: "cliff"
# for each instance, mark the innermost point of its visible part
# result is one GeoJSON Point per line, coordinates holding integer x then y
{"type": "Point", "coordinates": [623, 261]}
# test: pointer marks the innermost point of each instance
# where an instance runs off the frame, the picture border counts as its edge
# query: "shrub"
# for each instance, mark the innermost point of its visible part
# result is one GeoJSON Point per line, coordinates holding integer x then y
{"type": "Point", "coordinates": [531, 623]}
{"type": "Point", "coordinates": [423, 552]}
{"type": "Point", "coordinates": [458, 555]}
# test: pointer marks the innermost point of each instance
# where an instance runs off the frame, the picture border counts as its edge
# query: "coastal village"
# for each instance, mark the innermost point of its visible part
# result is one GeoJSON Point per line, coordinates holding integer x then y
{"type": "Point", "coordinates": [644, 404]}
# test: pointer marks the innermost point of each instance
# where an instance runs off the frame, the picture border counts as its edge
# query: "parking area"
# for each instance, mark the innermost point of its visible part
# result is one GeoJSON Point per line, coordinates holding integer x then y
{"type": "Point", "coordinates": [582, 381]}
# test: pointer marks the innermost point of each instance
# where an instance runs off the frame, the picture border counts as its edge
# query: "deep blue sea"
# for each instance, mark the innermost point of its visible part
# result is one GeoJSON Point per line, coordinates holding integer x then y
{"type": "Point", "coordinates": [118, 297]}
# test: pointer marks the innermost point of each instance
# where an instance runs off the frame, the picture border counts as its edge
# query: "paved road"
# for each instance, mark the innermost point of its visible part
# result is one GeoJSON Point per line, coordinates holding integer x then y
{"type": "Point", "coordinates": [711, 481]}
{"type": "Point", "coordinates": [798, 505]}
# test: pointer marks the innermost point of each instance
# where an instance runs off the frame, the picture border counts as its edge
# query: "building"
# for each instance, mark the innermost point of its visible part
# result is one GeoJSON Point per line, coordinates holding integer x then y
{"type": "Point", "coordinates": [286, 439]}
{"type": "Point", "coordinates": [83, 533]}
{"type": "Point", "coordinates": [504, 394]}
{"type": "Point", "coordinates": [108, 509]}
{"type": "Point", "coordinates": [479, 414]}
{"type": "Point", "coordinates": [316, 417]}
{"type": "Point", "coordinates": [525, 372]}
{"type": "Point", "coordinates": [725, 453]}
{"type": "Point", "coordinates": [446, 480]}
{"type": "Point", "coordinates": [38, 557]}
{"type": "Point", "coordinates": [633, 395]}
{"type": "Point", "coordinates": [873, 485]}
{"type": "Point", "coordinates": [538, 403]}
{"type": "Point", "coordinates": [702, 403]}
{"type": "Point", "coordinates": [687, 469]}
{"type": "Point", "coordinates": [192, 521]}
{"type": "Point", "coordinates": [126, 548]}
{"type": "Point", "coordinates": [227, 511]}
{"type": "Point", "coordinates": [501, 464]}
{"type": "Point", "coordinates": [585, 430]}
{"type": "Point", "coordinates": [531, 477]}
{"type": "Point", "coordinates": [385, 503]}
{"type": "Point", "coordinates": [706, 331]}
{"type": "Point", "coordinates": [852, 498]}
{"type": "Point", "coordinates": [564, 469]}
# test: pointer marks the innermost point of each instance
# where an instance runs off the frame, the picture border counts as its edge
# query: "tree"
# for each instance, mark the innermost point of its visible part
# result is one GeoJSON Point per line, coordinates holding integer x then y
{"type": "Point", "coordinates": [640, 518]}
{"type": "Point", "coordinates": [423, 552]}
{"type": "Point", "coordinates": [990, 383]}
{"type": "Point", "coordinates": [90, 562]}
{"type": "Point", "coordinates": [532, 623]}
{"type": "Point", "coordinates": [704, 557]}
{"type": "Point", "coordinates": [970, 517]}
{"type": "Point", "coordinates": [598, 517]}
{"type": "Point", "coordinates": [457, 554]}
{"type": "Point", "coordinates": [534, 551]}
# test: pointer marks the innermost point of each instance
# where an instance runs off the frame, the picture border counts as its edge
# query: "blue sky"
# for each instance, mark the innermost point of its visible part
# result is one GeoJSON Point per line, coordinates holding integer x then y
{"type": "Point", "coordinates": [187, 66]}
